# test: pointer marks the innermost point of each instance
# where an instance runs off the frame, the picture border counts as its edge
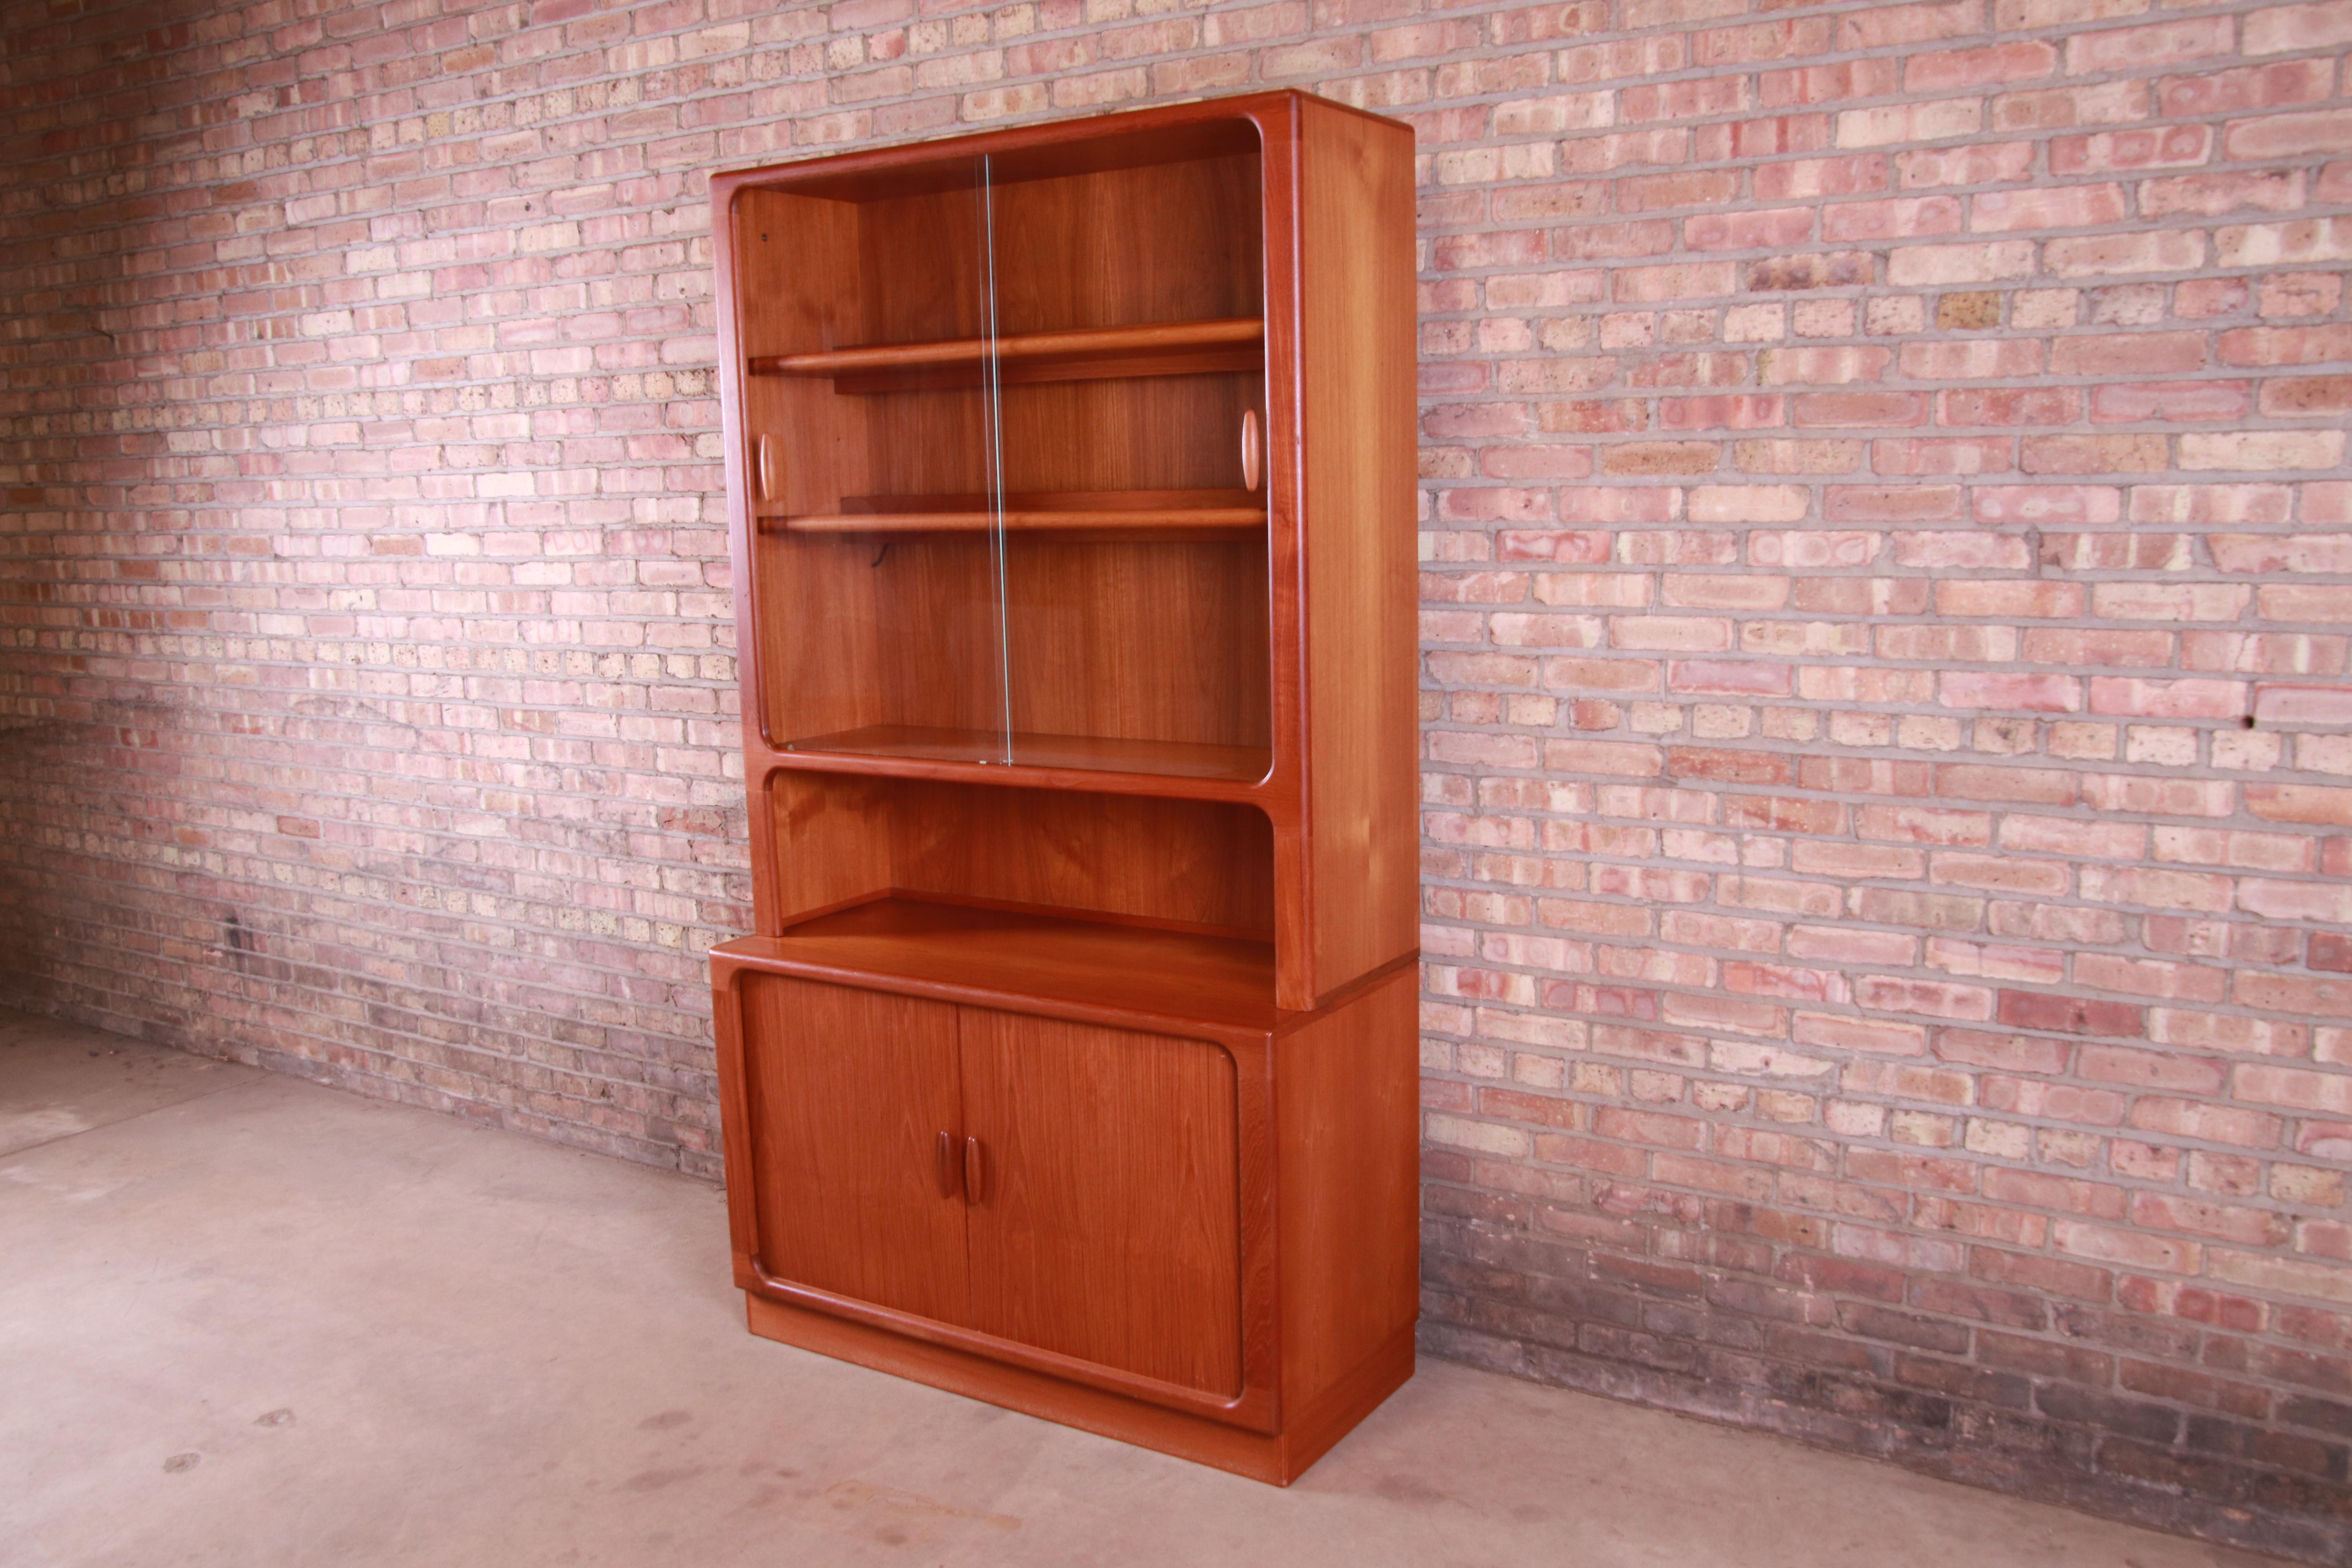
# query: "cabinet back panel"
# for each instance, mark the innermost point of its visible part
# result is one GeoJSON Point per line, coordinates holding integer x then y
{"type": "Point", "coordinates": [922, 259]}
{"type": "Point", "coordinates": [940, 647]}
{"type": "Point", "coordinates": [1141, 642]}
{"type": "Point", "coordinates": [1171, 243]}
{"type": "Point", "coordinates": [859, 631]}
{"type": "Point", "coordinates": [923, 443]}
{"type": "Point", "coordinates": [1142, 433]}
{"type": "Point", "coordinates": [1193, 862]}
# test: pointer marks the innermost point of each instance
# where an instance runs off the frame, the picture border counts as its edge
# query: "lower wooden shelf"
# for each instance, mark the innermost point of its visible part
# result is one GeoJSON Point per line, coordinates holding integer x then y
{"type": "Point", "coordinates": [968, 950]}
{"type": "Point", "coordinates": [1092, 754]}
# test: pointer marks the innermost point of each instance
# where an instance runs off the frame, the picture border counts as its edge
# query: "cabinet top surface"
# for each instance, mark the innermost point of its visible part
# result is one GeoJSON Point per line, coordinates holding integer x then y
{"type": "Point", "coordinates": [1197, 128]}
{"type": "Point", "coordinates": [985, 955]}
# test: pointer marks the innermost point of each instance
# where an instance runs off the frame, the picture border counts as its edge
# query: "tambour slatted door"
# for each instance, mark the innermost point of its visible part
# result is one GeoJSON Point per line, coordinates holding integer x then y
{"type": "Point", "coordinates": [1105, 1218]}
{"type": "Point", "coordinates": [850, 1091]}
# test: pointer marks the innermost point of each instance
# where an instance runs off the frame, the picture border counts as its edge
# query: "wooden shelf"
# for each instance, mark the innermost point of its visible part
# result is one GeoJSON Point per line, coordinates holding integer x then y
{"type": "Point", "coordinates": [976, 950]}
{"type": "Point", "coordinates": [1099, 514]}
{"type": "Point", "coordinates": [1173, 521]}
{"type": "Point", "coordinates": [1170, 759]}
{"type": "Point", "coordinates": [1095, 353]}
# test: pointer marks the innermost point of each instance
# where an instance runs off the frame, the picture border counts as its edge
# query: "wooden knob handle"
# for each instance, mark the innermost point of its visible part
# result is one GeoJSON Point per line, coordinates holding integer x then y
{"type": "Point", "coordinates": [975, 1172]}
{"type": "Point", "coordinates": [1253, 450]}
{"type": "Point", "coordinates": [943, 1163]}
{"type": "Point", "coordinates": [768, 470]}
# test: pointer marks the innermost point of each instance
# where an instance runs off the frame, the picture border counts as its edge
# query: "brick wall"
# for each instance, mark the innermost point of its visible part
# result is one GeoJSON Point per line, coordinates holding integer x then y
{"type": "Point", "coordinates": [1889, 582]}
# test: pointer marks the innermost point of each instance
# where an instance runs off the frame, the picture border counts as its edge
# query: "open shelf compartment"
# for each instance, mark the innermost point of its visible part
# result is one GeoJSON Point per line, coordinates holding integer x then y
{"type": "Point", "coordinates": [1196, 868]}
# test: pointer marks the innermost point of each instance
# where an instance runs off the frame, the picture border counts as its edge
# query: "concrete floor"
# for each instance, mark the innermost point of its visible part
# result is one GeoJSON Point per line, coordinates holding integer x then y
{"type": "Point", "coordinates": [247, 1320]}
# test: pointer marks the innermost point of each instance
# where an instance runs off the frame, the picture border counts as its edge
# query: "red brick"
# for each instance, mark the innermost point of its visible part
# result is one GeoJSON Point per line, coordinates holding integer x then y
{"type": "Point", "coordinates": [2285, 345]}
{"type": "Point", "coordinates": [2136, 49]}
{"type": "Point", "coordinates": [2071, 1015]}
{"type": "Point", "coordinates": [2243, 88]}
{"type": "Point", "coordinates": [2168, 401]}
{"type": "Point", "coordinates": [2288, 135]}
{"type": "Point", "coordinates": [2129, 353]}
{"type": "Point", "coordinates": [2053, 206]}
{"type": "Point", "coordinates": [2105, 151]}
{"type": "Point", "coordinates": [1772, 229]}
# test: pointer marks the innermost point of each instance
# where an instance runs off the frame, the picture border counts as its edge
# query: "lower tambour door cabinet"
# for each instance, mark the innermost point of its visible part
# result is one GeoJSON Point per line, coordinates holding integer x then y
{"type": "Point", "coordinates": [1053, 1185]}
{"type": "Point", "coordinates": [1072, 1065]}
{"type": "Point", "coordinates": [1195, 1234]}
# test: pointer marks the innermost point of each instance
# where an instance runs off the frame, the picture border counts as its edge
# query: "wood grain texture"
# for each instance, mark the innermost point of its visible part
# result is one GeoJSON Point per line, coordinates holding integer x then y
{"type": "Point", "coordinates": [842, 835]}
{"type": "Point", "coordinates": [847, 1090]}
{"type": "Point", "coordinates": [1160, 523]}
{"type": "Point", "coordinates": [1138, 344]}
{"type": "Point", "coordinates": [1107, 1224]}
{"type": "Point", "coordinates": [1003, 955]}
{"type": "Point", "coordinates": [1347, 1089]}
{"type": "Point", "coordinates": [1357, 287]}
{"type": "Point", "coordinates": [1137, 433]}
{"type": "Point", "coordinates": [1173, 759]}
{"type": "Point", "coordinates": [803, 289]}
{"type": "Point", "coordinates": [1189, 862]}
{"type": "Point", "coordinates": [832, 838]}
{"type": "Point", "coordinates": [1140, 641]}
{"type": "Point", "coordinates": [1118, 249]}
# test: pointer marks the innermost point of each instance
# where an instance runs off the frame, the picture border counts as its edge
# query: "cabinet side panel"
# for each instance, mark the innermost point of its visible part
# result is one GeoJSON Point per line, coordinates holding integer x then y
{"type": "Point", "coordinates": [1345, 1091]}
{"type": "Point", "coordinates": [1356, 238]}
{"type": "Point", "coordinates": [832, 842]}
{"type": "Point", "coordinates": [847, 1093]}
{"type": "Point", "coordinates": [1106, 1225]}
{"type": "Point", "coordinates": [818, 643]}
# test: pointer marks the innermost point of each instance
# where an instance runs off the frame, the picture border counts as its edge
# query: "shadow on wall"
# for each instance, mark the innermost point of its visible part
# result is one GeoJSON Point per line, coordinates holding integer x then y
{"type": "Point", "coordinates": [289, 773]}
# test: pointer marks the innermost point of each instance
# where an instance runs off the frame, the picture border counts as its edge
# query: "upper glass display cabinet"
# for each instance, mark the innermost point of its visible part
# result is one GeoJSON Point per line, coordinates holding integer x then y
{"type": "Point", "coordinates": [1005, 421]}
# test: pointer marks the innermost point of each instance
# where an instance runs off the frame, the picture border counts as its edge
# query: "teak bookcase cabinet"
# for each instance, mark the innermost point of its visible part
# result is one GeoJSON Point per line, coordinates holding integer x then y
{"type": "Point", "coordinates": [1071, 471]}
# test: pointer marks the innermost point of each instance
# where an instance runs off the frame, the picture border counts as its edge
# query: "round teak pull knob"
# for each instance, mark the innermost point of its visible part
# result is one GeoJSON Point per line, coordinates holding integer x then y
{"type": "Point", "coordinates": [1253, 450]}
{"type": "Point", "coordinates": [768, 470]}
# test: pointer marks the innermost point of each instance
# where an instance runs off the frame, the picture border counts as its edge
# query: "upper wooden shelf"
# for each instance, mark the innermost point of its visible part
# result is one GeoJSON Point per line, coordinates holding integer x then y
{"type": "Point", "coordinates": [982, 952]}
{"type": "Point", "coordinates": [1095, 353]}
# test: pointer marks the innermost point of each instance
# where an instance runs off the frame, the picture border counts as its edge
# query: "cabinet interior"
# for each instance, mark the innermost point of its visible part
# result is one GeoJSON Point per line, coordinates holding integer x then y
{"type": "Point", "coordinates": [994, 416]}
